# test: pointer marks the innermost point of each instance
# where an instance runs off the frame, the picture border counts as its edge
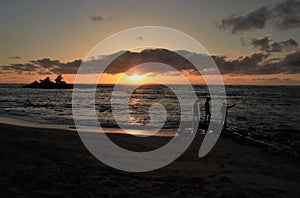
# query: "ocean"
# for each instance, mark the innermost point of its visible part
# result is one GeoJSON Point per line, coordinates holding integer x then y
{"type": "Point", "coordinates": [263, 115]}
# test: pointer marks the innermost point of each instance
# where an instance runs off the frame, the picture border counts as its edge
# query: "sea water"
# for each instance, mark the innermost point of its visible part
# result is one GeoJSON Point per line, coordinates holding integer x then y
{"type": "Point", "coordinates": [268, 115]}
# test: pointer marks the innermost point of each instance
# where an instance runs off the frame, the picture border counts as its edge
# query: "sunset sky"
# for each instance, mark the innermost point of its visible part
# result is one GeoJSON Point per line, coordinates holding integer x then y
{"type": "Point", "coordinates": [253, 42]}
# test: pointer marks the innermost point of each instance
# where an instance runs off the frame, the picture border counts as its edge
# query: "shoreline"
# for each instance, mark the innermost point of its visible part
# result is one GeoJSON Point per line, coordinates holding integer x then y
{"type": "Point", "coordinates": [108, 130]}
{"type": "Point", "coordinates": [169, 133]}
{"type": "Point", "coordinates": [24, 123]}
{"type": "Point", "coordinates": [45, 162]}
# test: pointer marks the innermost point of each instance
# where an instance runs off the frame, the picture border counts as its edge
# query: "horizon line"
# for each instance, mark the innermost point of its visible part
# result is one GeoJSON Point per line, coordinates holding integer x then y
{"type": "Point", "coordinates": [226, 84]}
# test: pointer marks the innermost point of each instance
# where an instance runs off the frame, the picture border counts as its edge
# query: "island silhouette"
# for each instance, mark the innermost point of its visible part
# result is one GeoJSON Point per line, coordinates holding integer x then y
{"type": "Point", "coordinates": [58, 83]}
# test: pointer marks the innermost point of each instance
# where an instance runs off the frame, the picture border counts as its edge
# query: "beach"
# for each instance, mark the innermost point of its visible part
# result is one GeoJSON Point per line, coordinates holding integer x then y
{"type": "Point", "coordinates": [150, 99]}
{"type": "Point", "coordinates": [45, 162]}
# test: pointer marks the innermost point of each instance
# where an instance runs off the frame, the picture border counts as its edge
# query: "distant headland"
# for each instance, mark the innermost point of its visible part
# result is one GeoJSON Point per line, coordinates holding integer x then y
{"type": "Point", "coordinates": [48, 84]}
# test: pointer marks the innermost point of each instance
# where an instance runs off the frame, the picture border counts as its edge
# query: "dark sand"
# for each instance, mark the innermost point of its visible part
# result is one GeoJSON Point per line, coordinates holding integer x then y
{"type": "Point", "coordinates": [54, 163]}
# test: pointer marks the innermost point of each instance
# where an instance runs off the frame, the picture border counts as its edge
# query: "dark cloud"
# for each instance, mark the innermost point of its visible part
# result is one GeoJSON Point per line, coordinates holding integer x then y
{"type": "Point", "coordinates": [57, 67]}
{"type": "Point", "coordinates": [19, 68]}
{"type": "Point", "coordinates": [262, 42]}
{"type": "Point", "coordinates": [291, 63]}
{"type": "Point", "coordinates": [251, 21]}
{"type": "Point", "coordinates": [289, 23]}
{"type": "Point", "coordinates": [285, 15]}
{"type": "Point", "coordinates": [140, 38]}
{"type": "Point", "coordinates": [96, 18]}
{"type": "Point", "coordinates": [243, 65]}
{"type": "Point", "coordinates": [44, 66]}
{"type": "Point", "coordinates": [66, 68]}
{"type": "Point", "coordinates": [259, 63]}
{"type": "Point", "coordinates": [101, 18]}
{"type": "Point", "coordinates": [130, 59]}
{"type": "Point", "coordinates": [15, 57]}
{"type": "Point", "coordinates": [288, 45]}
{"type": "Point", "coordinates": [46, 62]}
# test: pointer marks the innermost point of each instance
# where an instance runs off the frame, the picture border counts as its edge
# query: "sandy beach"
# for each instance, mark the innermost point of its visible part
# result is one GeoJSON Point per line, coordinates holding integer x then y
{"type": "Point", "coordinates": [37, 162]}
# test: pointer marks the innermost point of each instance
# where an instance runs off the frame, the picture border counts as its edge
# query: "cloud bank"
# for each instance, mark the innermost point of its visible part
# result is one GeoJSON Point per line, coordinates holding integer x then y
{"type": "Point", "coordinates": [258, 63]}
{"type": "Point", "coordinates": [253, 64]}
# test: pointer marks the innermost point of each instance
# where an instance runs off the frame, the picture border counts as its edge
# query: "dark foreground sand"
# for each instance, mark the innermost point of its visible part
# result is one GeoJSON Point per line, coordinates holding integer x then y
{"type": "Point", "coordinates": [54, 163]}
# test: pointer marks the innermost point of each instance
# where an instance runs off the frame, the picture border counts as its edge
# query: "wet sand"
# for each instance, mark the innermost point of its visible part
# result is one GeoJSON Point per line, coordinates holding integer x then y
{"type": "Point", "coordinates": [37, 162]}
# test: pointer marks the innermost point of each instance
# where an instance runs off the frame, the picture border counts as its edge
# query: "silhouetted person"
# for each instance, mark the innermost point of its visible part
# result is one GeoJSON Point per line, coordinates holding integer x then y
{"type": "Point", "coordinates": [196, 110]}
{"type": "Point", "coordinates": [207, 110]}
{"type": "Point", "coordinates": [224, 110]}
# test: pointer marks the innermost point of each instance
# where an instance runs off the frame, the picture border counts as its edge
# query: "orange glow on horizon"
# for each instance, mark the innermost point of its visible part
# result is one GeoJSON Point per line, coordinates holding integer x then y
{"type": "Point", "coordinates": [280, 79]}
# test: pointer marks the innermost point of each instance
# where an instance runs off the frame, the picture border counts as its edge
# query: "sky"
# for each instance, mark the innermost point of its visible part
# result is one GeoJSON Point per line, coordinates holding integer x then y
{"type": "Point", "coordinates": [251, 41]}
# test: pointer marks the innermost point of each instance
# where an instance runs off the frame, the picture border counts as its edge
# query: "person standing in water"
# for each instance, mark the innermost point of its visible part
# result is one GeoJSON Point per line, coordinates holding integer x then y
{"type": "Point", "coordinates": [196, 110]}
{"type": "Point", "coordinates": [207, 110]}
{"type": "Point", "coordinates": [224, 111]}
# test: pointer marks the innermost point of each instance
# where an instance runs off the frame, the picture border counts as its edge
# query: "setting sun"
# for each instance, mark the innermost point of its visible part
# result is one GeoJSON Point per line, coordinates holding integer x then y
{"type": "Point", "coordinates": [136, 78]}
